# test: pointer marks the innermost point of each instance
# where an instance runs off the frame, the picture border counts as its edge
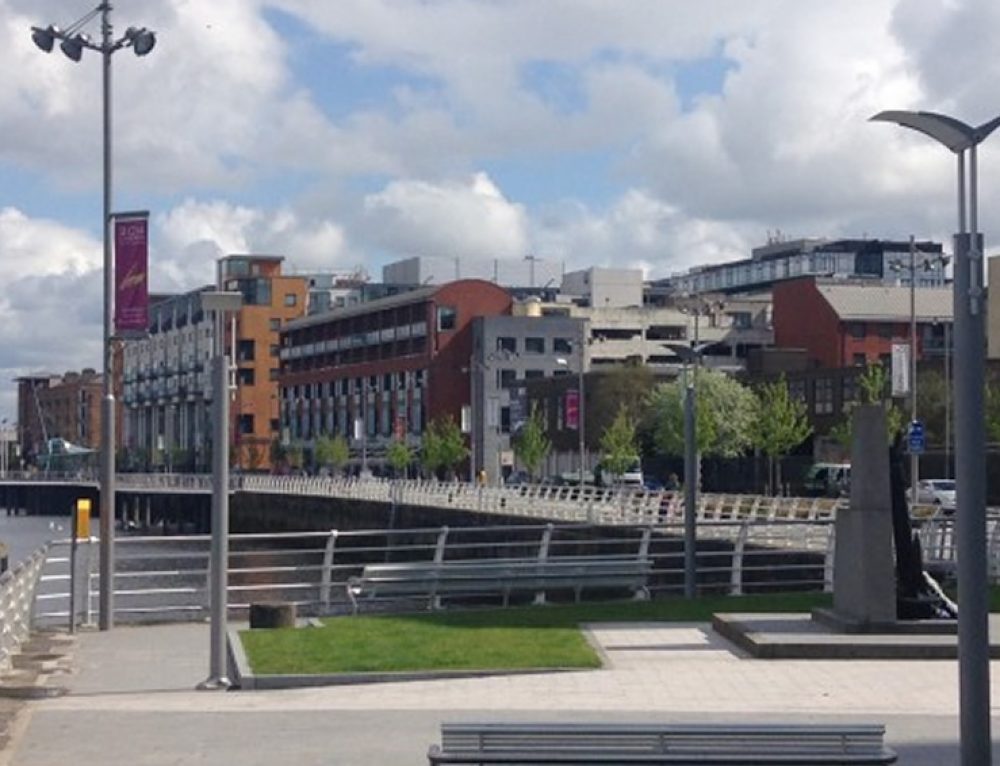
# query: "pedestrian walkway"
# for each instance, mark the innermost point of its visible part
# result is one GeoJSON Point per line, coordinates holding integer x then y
{"type": "Point", "coordinates": [131, 700]}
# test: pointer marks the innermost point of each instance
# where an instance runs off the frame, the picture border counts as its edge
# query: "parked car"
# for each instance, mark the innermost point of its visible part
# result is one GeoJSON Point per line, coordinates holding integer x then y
{"type": "Point", "coordinates": [828, 480]}
{"type": "Point", "coordinates": [936, 492]}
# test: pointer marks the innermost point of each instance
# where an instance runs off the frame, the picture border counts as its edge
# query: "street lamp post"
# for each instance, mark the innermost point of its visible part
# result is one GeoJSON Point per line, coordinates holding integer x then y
{"type": "Point", "coordinates": [72, 42]}
{"type": "Point", "coordinates": [221, 303]}
{"type": "Point", "coordinates": [970, 435]}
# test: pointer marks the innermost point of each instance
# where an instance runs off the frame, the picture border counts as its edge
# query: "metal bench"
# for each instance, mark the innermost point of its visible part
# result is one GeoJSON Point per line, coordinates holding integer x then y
{"type": "Point", "coordinates": [434, 579]}
{"type": "Point", "coordinates": [693, 744]}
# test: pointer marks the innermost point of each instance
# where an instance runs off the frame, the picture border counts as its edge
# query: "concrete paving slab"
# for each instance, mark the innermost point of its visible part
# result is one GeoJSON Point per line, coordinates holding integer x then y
{"type": "Point", "coordinates": [801, 636]}
{"type": "Point", "coordinates": [132, 701]}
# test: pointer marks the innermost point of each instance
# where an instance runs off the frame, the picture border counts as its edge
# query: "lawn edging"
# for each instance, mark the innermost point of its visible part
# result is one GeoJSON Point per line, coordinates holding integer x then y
{"type": "Point", "coordinates": [244, 679]}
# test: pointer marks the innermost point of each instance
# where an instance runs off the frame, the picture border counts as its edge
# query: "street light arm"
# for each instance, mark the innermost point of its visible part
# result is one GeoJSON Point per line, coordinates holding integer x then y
{"type": "Point", "coordinates": [954, 134]}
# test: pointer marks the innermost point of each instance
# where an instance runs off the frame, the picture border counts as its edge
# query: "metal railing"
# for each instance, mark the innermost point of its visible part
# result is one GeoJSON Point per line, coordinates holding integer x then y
{"type": "Point", "coordinates": [17, 593]}
{"type": "Point", "coordinates": [160, 578]}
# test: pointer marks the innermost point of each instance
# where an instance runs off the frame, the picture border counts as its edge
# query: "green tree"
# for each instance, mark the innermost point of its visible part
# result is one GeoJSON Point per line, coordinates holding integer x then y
{"type": "Point", "coordinates": [444, 447]}
{"type": "Point", "coordinates": [931, 401]}
{"type": "Point", "coordinates": [295, 456]}
{"type": "Point", "coordinates": [725, 415]}
{"type": "Point", "coordinates": [279, 453]}
{"type": "Point", "coordinates": [531, 445]}
{"type": "Point", "coordinates": [874, 385]}
{"type": "Point", "coordinates": [619, 447]}
{"type": "Point", "coordinates": [254, 456]}
{"type": "Point", "coordinates": [399, 456]}
{"type": "Point", "coordinates": [991, 407]}
{"type": "Point", "coordinates": [332, 452]}
{"type": "Point", "coordinates": [627, 385]}
{"type": "Point", "coordinates": [782, 423]}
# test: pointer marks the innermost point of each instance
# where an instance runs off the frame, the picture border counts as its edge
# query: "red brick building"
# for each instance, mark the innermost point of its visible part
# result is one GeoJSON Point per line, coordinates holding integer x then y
{"type": "Point", "coordinates": [395, 363]}
{"type": "Point", "coordinates": [54, 407]}
{"type": "Point", "coordinates": [852, 324]}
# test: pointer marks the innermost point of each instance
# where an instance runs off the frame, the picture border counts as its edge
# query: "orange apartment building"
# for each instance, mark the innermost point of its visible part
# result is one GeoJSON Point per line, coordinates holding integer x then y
{"type": "Point", "coordinates": [166, 377]}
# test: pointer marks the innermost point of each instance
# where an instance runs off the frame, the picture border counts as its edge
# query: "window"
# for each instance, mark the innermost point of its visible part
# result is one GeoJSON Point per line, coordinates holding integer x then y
{"type": "Point", "coordinates": [856, 329]}
{"type": "Point", "coordinates": [246, 424]}
{"type": "Point", "coordinates": [885, 330]}
{"type": "Point", "coordinates": [534, 345]}
{"type": "Point", "coordinates": [275, 350]}
{"type": "Point", "coordinates": [447, 318]}
{"type": "Point", "coordinates": [849, 389]}
{"type": "Point", "coordinates": [507, 378]}
{"type": "Point", "coordinates": [245, 350]}
{"type": "Point", "coordinates": [507, 344]}
{"type": "Point", "coordinates": [860, 360]}
{"type": "Point", "coordinates": [823, 399]}
{"type": "Point", "coordinates": [562, 345]}
{"type": "Point", "coordinates": [273, 374]}
{"type": "Point", "coordinates": [291, 299]}
{"type": "Point", "coordinates": [885, 360]}
{"type": "Point", "coordinates": [275, 325]}
{"type": "Point", "coordinates": [275, 425]}
{"type": "Point", "coordinates": [741, 320]}
{"type": "Point", "coordinates": [534, 374]}
{"type": "Point", "coordinates": [245, 376]}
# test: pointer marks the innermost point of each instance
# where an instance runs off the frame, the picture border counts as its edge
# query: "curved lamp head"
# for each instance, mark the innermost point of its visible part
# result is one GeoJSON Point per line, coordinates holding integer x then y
{"type": "Point", "coordinates": [954, 134]}
{"type": "Point", "coordinates": [44, 38]}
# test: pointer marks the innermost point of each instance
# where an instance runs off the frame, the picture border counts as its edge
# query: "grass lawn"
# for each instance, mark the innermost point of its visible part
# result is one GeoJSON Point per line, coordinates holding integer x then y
{"type": "Point", "coordinates": [514, 638]}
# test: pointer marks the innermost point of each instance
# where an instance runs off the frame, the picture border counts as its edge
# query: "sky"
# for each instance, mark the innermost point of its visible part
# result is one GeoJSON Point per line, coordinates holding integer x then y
{"type": "Point", "coordinates": [657, 134]}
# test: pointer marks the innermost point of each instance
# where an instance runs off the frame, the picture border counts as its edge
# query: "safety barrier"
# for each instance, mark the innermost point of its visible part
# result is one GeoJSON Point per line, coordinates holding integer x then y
{"type": "Point", "coordinates": [17, 593]}
{"type": "Point", "coordinates": [167, 577]}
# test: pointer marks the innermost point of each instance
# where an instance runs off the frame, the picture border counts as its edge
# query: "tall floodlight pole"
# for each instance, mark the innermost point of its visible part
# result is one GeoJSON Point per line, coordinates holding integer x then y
{"type": "Point", "coordinates": [72, 41]}
{"type": "Point", "coordinates": [912, 268]}
{"type": "Point", "coordinates": [970, 434]}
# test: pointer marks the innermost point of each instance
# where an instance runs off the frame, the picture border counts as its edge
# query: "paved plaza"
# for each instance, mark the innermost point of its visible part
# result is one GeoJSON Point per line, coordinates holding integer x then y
{"type": "Point", "coordinates": [131, 700]}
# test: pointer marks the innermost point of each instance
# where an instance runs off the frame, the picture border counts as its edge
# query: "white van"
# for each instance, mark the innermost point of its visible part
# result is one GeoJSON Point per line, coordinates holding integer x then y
{"type": "Point", "coordinates": [632, 477]}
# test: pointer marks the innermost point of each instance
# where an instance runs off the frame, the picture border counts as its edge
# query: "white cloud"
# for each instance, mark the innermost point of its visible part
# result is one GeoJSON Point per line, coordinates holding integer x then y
{"type": "Point", "coordinates": [638, 231]}
{"type": "Point", "coordinates": [36, 247]}
{"type": "Point", "coordinates": [190, 237]}
{"type": "Point", "coordinates": [451, 218]}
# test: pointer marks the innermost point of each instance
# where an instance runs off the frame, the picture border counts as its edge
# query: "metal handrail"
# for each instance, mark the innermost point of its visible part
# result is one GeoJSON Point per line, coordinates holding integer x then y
{"type": "Point", "coordinates": [166, 577]}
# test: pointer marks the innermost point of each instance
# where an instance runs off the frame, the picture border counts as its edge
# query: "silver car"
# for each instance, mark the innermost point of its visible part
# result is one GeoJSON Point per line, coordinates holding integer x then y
{"type": "Point", "coordinates": [936, 492]}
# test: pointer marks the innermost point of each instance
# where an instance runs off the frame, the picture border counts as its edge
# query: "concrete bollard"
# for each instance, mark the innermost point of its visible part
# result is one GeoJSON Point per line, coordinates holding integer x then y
{"type": "Point", "coordinates": [272, 615]}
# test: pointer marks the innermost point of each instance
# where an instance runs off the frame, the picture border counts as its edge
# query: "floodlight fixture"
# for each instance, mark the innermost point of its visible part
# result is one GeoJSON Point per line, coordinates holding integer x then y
{"type": "Point", "coordinates": [44, 38]}
{"type": "Point", "coordinates": [73, 47]}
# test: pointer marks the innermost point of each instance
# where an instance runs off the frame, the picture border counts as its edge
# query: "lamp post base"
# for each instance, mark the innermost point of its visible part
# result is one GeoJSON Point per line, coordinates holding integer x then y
{"type": "Point", "coordinates": [215, 685]}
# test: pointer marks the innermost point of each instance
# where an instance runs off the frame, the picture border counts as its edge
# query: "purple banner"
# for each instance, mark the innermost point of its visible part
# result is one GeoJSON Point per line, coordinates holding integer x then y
{"type": "Point", "coordinates": [572, 409]}
{"type": "Point", "coordinates": [131, 274]}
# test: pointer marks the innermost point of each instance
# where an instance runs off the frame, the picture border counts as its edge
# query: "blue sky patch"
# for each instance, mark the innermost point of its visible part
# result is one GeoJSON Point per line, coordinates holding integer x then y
{"type": "Point", "coordinates": [328, 70]}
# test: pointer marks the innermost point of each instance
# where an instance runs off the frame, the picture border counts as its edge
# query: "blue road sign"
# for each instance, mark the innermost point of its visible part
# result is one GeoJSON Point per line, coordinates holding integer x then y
{"type": "Point", "coordinates": [916, 438]}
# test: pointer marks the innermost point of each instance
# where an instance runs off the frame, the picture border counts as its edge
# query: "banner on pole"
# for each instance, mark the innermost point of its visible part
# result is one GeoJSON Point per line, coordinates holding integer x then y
{"type": "Point", "coordinates": [572, 409]}
{"type": "Point", "coordinates": [900, 369]}
{"type": "Point", "coordinates": [131, 241]}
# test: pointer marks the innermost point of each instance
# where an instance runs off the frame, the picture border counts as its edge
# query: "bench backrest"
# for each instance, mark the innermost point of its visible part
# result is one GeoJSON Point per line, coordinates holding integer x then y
{"type": "Point", "coordinates": [488, 574]}
{"type": "Point", "coordinates": [856, 743]}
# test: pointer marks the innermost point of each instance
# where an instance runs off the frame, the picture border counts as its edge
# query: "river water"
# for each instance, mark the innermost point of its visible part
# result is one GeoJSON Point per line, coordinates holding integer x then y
{"type": "Point", "coordinates": [23, 535]}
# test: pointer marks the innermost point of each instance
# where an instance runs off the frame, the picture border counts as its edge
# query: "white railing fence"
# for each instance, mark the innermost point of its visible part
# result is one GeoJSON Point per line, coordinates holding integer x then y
{"type": "Point", "coordinates": [166, 577]}
{"type": "Point", "coordinates": [17, 593]}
